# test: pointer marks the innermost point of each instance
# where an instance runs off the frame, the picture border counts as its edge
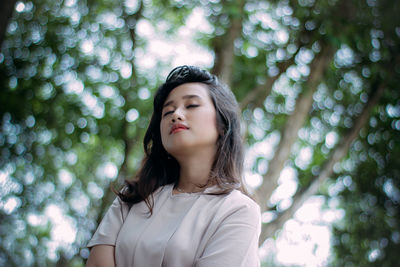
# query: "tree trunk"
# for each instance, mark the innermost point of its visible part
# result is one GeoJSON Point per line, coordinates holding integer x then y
{"type": "Point", "coordinates": [224, 48]}
{"type": "Point", "coordinates": [337, 154]}
{"type": "Point", "coordinates": [6, 11]}
{"type": "Point", "coordinates": [292, 126]}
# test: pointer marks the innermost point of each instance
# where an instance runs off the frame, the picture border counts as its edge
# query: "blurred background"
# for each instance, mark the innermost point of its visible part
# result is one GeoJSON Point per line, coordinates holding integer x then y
{"type": "Point", "coordinates": [318, 86]}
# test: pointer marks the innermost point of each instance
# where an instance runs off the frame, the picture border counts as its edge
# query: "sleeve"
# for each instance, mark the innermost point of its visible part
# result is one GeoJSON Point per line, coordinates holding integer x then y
{"type": "Point", "coordinates": [107, 232]}
{"type": "Point", "coordinates": [235, 241]}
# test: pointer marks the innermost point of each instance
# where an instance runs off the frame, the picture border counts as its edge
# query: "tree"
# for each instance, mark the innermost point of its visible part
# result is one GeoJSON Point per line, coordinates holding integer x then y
{"type": "Point", "coordinates": [369, 232]}
{"type": "Point", "coordinates": [73, 110]}
{"type": "Point", "coordinates": [324, 27]}
{"type": "Point", "coordinates": [76, 101]}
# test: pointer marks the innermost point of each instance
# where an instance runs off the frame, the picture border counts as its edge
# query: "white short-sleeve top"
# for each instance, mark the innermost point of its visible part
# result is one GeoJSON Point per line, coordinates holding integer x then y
{"type": "Point", "coordinates": [185, 229]}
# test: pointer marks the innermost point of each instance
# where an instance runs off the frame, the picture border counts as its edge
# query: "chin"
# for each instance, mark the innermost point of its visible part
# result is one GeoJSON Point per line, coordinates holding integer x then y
{"type": "Point", "coordinates": [179, 149]}
{"type": "Point", "coordinates": [187, 148]}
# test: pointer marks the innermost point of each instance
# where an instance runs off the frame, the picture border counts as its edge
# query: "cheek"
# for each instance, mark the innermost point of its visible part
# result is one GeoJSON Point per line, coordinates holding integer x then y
{"type": "Point", "coordinates": [210, 119]}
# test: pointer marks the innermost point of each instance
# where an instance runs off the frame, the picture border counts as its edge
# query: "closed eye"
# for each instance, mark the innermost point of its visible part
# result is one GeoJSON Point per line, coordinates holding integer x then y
{"type": "Point", "coordinates": [168, 112]}
{"type": "Point", "coordinates": [192, 106]}
{"type": "Point", "coordinates": [189, 106]}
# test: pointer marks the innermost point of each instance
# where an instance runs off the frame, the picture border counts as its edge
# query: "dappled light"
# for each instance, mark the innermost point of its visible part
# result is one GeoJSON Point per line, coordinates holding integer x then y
{"type": "Point", "coordinates": [317, 83]}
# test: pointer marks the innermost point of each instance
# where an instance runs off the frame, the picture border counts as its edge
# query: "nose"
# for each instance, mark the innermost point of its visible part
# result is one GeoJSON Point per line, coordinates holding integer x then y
{"type": "Point", "coordinates": [177, 116]}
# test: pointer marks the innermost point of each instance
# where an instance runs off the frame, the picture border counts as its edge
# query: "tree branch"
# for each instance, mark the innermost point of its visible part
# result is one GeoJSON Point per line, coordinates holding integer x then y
{"type": "Point", "coordinates": [257, 95]}
{"type": "Point", "coordinates": [224, 47]}
{"type": "Point", "coordinates": [294, 123]}
{"type": "Point", "coordinates": [337, 154]}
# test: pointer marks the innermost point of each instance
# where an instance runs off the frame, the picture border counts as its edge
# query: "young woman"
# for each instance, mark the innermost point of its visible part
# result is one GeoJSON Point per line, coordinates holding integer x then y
{"type": "Point", "coordinates": [187, 205]}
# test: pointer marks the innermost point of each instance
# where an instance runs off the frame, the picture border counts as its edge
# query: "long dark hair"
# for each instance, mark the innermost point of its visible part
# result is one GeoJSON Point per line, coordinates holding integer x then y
{"type": "Point", "coordinates": [159, 169]}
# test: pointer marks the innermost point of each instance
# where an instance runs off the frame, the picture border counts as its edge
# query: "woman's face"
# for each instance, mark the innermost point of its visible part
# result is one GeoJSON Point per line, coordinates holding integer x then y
{"type": "Point", "coordinates": [188, 120]}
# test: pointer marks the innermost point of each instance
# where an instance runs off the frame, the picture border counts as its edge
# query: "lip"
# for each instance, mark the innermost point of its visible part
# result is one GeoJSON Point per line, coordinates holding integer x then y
{"type": "Point", "coordinates": [177, 128]}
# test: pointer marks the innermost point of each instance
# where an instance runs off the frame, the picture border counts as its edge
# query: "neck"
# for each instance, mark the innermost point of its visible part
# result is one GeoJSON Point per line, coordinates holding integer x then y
{"type": "Point", "coordinates": [194, 171]}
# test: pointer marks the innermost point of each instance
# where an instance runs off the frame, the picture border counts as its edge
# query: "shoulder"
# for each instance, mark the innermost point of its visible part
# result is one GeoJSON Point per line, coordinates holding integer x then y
{"type": "Point", "coordinates": [237, 205]}
{"type": "Point", "coordinates": [236, 199]}
{"type": "Point", "coordinates": [164, 189]}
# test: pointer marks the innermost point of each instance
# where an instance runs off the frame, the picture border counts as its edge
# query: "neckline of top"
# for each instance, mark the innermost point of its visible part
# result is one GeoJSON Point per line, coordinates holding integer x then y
{"type": "Point", "coordinates": [181, 194]}
{"type": "Point", "coordinates": [187, 194]}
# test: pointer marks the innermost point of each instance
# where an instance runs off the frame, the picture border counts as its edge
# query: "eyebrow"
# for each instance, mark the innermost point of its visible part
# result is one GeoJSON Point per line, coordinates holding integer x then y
{"type": "Point", "coordinates": [183, 97]}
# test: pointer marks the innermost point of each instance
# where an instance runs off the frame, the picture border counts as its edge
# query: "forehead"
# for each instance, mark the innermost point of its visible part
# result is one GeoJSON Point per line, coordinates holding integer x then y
{"type": "Point", "coordinates": [199, 89]}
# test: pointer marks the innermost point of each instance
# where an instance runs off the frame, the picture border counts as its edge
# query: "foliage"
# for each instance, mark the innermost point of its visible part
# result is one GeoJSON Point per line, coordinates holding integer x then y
{"type": "Point", "coordinates": [369, 233]}
{"type": "Point", "coordinates": [77, 79]}
{"type": "Point", "coordinates": [70, 99]}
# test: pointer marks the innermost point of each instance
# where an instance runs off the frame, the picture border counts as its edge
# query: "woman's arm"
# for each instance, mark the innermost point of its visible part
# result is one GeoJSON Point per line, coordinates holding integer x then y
{"type": "Point", "coordinates": [101, 256]}
{"type": "Point", "coordinates": [102, 244]}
